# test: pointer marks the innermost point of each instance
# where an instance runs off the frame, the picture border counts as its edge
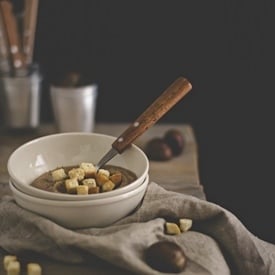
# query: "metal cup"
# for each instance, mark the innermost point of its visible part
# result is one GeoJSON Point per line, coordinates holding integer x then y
{"type": "Point", "coordinates": [74, 108]}
{"type": "Point", "coordinates": [20, 100]}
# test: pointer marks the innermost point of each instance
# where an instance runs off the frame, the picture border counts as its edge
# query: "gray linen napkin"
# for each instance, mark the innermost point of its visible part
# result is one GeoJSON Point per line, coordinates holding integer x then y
{"type": "Point", "coordinates": [217, 244]}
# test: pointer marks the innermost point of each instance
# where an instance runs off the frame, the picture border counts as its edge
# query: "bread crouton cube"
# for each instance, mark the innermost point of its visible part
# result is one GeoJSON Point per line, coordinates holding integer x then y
{"type": "Point", "coordinates": [71, 185]}
{"type": "Point", "coordinates": [185, 224]}
{"type": "Point", "coordinates": [89, 182]}
{"type": "Point", "coordinates": [7, 259]}
{"type": "Point", "coordinates": [13, 268]}
{"type": "Point", "coordinates": [116, 178]}
{"type": "Point", "coordinates": [77, 173]}
{"type": "Point", "coordinates": [94, 190]}
{"type": "Point", "coordinates": [92, 186]}
{"type": "Point", "coordinates": [104, 172]}
{"type": "Point", "coordinates": [82, 190]}
{"type": "Point", "coordinates": [88, 168]}
{"type": "Point", "coordinates": [58, 174]}
{"type": "Point", "coordinates": [34, 269]}
{"type": "Point", "coordinates": [101, 179]}
{"type": "Point", "coordinates": [172, 228]}
{"type": "Point", "coordinates": [107, 186]}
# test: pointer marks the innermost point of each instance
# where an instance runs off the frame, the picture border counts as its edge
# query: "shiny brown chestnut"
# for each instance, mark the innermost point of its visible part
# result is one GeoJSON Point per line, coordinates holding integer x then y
{"type": "Point", "coordinates": [166, 256]}
{"type": "Point", "coordinates": [175, 140]}
{"type": "Point", "coordinates": [157, 149]}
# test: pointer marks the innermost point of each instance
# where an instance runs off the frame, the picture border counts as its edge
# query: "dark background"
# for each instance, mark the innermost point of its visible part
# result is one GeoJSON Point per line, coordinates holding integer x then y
{"type": "Point", "coordinates": [134, 49]}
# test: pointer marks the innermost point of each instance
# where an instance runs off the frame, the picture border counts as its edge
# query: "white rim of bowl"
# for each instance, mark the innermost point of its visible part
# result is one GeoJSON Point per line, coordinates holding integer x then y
{"type": "Point", "coordinates": [80, 203]}
{"type": "Point", "coordinates": [71, 134]}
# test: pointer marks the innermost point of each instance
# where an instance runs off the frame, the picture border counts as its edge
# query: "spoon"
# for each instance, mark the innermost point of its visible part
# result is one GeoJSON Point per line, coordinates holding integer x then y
{"type": "Point", "coordinates": [175, 92]}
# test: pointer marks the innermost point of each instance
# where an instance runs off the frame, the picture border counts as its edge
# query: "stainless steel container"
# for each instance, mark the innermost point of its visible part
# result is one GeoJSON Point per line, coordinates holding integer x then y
{"type": "Point", "coordinates": [20, 100]}
{"type": "Point", "coordinates": [74, 107]}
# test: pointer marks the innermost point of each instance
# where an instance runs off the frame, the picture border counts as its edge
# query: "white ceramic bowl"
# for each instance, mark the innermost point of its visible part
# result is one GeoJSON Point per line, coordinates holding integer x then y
{"type": "Point", "coordinates": [83, 214]}
{"type": "Point", "coordinates": [43, 154]}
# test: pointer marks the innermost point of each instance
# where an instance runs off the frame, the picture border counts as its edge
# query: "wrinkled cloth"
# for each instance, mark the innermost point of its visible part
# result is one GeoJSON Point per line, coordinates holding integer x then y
{"type": "Point", "coordinates": [217, 243]}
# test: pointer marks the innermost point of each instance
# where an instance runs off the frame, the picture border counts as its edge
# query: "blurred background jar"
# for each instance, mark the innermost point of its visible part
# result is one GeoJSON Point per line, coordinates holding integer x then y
{"type": "Point", "coordinates": [74, 103]}
{"type": "Point", "coordinates": [21, 99]}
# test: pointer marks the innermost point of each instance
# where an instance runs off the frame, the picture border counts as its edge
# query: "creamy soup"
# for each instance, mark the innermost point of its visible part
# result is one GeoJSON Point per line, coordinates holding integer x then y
{"type": "Point", "coordinates": [47, 182]}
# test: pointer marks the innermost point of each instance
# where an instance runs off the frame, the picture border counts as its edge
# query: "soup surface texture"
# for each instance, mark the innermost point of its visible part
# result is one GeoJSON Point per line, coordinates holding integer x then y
{"type": "Point", "coordinates": [115, 178]}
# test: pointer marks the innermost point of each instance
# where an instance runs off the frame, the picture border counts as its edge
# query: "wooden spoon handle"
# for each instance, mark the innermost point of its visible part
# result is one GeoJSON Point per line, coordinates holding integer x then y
{"type": "Point", "coordinates": [176, 91]}
{"type": "Point", "coordinates": [30, 22]}
{"type": "Point", "coordinates": [14, 40]}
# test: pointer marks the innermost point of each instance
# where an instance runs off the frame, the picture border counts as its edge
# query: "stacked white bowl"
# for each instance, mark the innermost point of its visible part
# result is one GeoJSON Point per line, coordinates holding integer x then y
{"type": "Point", "coordinates": [38, 156]}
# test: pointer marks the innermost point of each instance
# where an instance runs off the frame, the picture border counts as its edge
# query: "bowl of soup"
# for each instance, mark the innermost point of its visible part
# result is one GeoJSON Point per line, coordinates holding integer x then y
{"type": "Point", "coordinates": [62, 167]}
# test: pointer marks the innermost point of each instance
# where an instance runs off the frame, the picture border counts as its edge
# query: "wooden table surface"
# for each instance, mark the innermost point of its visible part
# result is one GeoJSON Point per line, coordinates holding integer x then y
{"type": "Point", "coordinates": [180, 174]}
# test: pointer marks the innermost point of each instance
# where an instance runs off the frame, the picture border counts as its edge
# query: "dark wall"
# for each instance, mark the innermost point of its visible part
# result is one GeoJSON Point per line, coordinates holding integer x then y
{"type": "Point", "coordinates": [134, 49]}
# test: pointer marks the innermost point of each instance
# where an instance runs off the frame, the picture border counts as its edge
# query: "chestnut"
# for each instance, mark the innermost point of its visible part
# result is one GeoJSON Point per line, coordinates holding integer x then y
{"type": "Point", "coordinates": [166, 256]}
{"type": "Point", "coordinates": [175, 140]}
{"type": "Point", "coordinates": [157, 149]}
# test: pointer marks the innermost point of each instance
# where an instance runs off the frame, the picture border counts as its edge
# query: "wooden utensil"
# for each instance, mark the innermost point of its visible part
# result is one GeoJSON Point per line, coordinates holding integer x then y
{"type": "Point", "coordinates": [5, 66]}
{"type": "Point", "coordinates": [14, 41]}
{"type": "Point", "coordinates": [29, 28]}
{"type": "Point", "coordinates": [175, 92]}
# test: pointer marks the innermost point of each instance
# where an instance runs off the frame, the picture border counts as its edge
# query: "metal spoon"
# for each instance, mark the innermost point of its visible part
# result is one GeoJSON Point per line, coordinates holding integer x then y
{"type": "Point", "coordinates": [176, 91]}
